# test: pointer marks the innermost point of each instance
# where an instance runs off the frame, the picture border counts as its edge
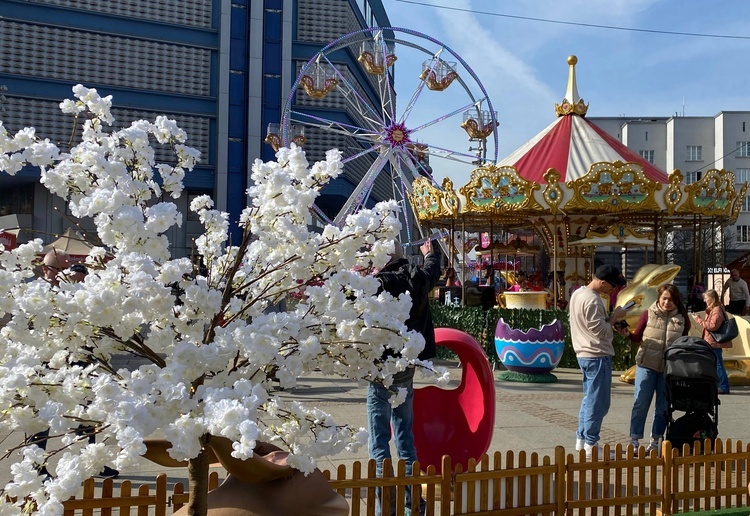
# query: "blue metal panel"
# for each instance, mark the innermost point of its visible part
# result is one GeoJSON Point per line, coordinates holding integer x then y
{"type": "Point", "coordinates": [200, 178]}
{"type": "Point", "coordinates": [272, 58]}
{"type": "Point", "coordinates": [237, 89]}
{"type": "Point", "coordinates": [109, 24]}
{"type": "Point", "coordinates": [238, 23]}
{"type": "Point", "coordinates": [272, 26]}
{"type": "Point", "coordinates": [238, 52]}
{"type": "Point", "coordinates": [34, 87]}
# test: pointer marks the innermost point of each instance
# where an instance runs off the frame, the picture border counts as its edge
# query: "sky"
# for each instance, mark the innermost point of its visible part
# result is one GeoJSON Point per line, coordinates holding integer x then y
{"type": "Point", "coordinates": [522, 63]}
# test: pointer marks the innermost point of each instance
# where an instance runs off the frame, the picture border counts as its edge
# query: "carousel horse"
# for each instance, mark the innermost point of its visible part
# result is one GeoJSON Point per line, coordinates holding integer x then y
{"type": "Point", "coordinates": [263, 485]}
{"type": "Point", "coordinates": [456, 422]}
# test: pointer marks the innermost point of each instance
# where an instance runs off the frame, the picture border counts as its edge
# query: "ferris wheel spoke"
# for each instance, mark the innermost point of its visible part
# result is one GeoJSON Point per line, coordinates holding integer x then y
{"type": "Point", "coordinates": [360, 154]}
{"type": "Point", "coordinates": [441, 152]}
{"type": "Point", "coordinates": [355, 200]}
{"type": "Point", "coordinates": [334, 126]}
{"type": "Point", "coordinates": [420, 87]}
{"type": "Point", "coordinates": [354, 99]}
{"type": "Point", "coordinates": [387, 94]}
{"type": "Point", "coordinates": [444, 117]}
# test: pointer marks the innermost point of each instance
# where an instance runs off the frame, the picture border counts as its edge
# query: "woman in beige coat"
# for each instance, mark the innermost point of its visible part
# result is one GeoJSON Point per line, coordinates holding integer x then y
{"type": "Point", "coordinates": [659, 326]}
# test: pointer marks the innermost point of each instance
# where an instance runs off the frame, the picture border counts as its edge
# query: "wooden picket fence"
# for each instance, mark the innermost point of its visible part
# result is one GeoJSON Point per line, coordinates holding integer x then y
{"type": "Point", "coordinates": [714, 476]}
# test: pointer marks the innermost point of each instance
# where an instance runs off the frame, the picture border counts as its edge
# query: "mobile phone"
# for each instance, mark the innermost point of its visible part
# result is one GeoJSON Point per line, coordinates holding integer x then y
{"type": "Point", "coordinates": [630, 304]}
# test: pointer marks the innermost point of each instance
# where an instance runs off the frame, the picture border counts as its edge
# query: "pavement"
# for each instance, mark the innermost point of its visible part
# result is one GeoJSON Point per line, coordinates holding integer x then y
{"type": "Point", "coordinates": [531, 417]}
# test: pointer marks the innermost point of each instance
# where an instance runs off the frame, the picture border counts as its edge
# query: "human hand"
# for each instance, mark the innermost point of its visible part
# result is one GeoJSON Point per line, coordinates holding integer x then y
{"type": "Point", "coordinates": [619, 313]}
{"type": "Point", "coordinates": [744, 311]}
{"type": "Point", "coordinates": [426, 248]}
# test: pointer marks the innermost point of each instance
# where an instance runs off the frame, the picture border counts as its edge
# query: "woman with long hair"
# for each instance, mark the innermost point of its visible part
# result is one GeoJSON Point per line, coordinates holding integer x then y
{"type": "Point", "coordinates": [715, 316]}
{"type": "Point", "coordinates": [658, 327]}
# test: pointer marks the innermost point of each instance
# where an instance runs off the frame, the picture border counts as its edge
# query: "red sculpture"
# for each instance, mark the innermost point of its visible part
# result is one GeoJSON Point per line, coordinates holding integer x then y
{"type": "Point", "coordinates": [456, 422]}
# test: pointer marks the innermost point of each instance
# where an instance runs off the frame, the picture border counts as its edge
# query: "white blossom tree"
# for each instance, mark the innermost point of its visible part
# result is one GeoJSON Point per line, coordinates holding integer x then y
{"type": "Point", "coordinates": [211, 346]}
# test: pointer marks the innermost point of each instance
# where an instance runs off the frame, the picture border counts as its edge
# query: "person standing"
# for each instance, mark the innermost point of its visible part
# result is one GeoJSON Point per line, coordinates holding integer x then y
{"type": "Point", "coordinates": [55, 263]}
{"type": "Point", "coordinates": [398, 277]}
{"type": "Point", "coordinates": [657, 328]}
{"type": "Point", "coordinates": [715, 316]}
{"type": "Point", "coordinates": [739, 296]}
{"type": "Point", "coordinates": [592, 333]}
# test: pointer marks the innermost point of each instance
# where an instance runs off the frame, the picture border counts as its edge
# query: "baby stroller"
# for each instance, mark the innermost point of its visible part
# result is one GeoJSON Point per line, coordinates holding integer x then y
{"type": "Point", "coordinates": [692, 387]}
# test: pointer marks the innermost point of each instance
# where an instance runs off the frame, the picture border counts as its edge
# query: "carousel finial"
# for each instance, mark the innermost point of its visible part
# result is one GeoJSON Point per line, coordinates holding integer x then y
{"type": "Point", "coordinates": [572, 104]}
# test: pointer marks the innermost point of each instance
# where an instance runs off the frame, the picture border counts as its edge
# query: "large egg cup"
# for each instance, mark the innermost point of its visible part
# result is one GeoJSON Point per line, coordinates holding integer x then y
{"type": "Point", "coordinates": [529, 356]}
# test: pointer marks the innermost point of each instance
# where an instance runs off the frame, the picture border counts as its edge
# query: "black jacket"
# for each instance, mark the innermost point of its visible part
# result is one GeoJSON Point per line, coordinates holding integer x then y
{"type": "Point", "coordinates": [399, 276]}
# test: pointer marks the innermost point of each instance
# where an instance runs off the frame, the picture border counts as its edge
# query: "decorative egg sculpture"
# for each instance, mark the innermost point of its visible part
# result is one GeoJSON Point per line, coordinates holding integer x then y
{"type": "Point", "coordinates": [537, 351]}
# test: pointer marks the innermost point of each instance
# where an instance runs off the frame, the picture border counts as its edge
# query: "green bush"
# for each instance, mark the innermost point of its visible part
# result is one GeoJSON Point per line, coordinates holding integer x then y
{"type": "Point", "coordinates": [481, 325]}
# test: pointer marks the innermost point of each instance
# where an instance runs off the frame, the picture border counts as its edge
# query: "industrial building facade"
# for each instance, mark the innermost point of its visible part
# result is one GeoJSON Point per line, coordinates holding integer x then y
{"type": "Point", "coordinates": [221, 68]}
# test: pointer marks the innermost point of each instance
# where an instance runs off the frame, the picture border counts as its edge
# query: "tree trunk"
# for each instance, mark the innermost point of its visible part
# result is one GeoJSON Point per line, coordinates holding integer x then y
{"type": "Point", "coordinates": [198, 483]}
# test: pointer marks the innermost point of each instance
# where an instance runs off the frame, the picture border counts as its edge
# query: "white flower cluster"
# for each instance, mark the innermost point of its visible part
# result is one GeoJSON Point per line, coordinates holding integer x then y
{"type": "Point", "coordinates": [210, 343]}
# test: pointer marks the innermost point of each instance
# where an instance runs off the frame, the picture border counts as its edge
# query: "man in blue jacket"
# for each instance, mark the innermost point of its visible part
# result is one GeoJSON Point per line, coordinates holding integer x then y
{"type": "Point", "coordinates": [397, 277]}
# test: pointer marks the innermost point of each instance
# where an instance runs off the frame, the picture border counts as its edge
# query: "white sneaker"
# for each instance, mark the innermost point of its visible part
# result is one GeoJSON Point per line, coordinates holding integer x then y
{"type": "Point", "coordinates": [599, 454]}
{"type": "Point", "coordinates": [635, 443]}
{"type": "Point", "coordinates": [579, 444]}
{"type": "Point", "coordinates": [653, 445]}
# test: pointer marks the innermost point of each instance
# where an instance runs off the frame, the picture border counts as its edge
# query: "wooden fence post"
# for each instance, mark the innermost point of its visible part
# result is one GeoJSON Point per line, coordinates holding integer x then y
{"type": "Point", "coordinates": [560, 480]}
{"type": "Point", "coordinates": [446, 496]}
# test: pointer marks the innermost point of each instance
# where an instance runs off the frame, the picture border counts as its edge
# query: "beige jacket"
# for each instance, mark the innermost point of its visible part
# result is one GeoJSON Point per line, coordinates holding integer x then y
{"type": "Point", "coordinates": [662, 328]}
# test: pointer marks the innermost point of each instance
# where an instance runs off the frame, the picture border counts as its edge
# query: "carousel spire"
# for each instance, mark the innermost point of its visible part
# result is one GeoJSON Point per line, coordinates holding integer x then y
{"type": "Point", "coordinates": [572, 104]}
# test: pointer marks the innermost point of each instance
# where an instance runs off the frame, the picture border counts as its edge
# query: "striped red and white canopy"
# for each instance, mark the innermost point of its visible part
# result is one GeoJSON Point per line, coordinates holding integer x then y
{"type": "Point", "coordinates": [570, 145]}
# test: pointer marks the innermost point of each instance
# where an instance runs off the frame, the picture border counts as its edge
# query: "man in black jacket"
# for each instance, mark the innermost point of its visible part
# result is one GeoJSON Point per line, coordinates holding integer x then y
{"type": "Point", "coordinates": [397, 277]}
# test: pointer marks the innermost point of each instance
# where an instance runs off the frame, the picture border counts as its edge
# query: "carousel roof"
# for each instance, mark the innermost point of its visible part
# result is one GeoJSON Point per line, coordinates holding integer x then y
{"type": "Point", "coordinates": [572, 171]}
{"type": "Point", "coordinates": [571, 144]}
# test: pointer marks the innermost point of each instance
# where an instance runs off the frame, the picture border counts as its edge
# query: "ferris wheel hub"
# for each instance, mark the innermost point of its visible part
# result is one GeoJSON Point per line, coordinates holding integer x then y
{"type": "Point", "coordinates": [396, 135]}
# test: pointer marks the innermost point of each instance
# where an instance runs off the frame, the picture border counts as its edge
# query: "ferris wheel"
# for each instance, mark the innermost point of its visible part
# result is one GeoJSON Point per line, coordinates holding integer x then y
{"type": "Point", "coordinates": [357, 108]}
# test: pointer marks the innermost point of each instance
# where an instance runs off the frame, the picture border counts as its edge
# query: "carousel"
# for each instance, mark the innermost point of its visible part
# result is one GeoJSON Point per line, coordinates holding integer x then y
{"type": "Point", "coordinates": [578, 188]}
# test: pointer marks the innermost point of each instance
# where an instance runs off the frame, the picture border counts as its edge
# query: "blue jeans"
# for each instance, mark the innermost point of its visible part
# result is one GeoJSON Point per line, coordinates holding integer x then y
{"type": "Point", "coordinates": [721, 370]}
{"type": "Point", "coordinates": [380, 415]}
{"type": "Point", "coordinates": [597, 387]}
{"type": "Point", "coordinates": [647, 383]}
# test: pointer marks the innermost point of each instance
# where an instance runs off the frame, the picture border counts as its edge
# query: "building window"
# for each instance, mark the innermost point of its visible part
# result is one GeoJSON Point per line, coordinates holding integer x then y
{"type": "Point", "coordinates": [742, 175]}
{"type": "Point", "coordinates": [692, 177]}
{"type": "Point", "coordinates": [746, 204]}
{"type": "Point", "coordinates": [743, 150]}
{"type": "Point", "coordinates": [694, 153]}
{"type": "Point", "coordinates": [648, 155]}
{"type": "Point", "coordinates": [743, 234]}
